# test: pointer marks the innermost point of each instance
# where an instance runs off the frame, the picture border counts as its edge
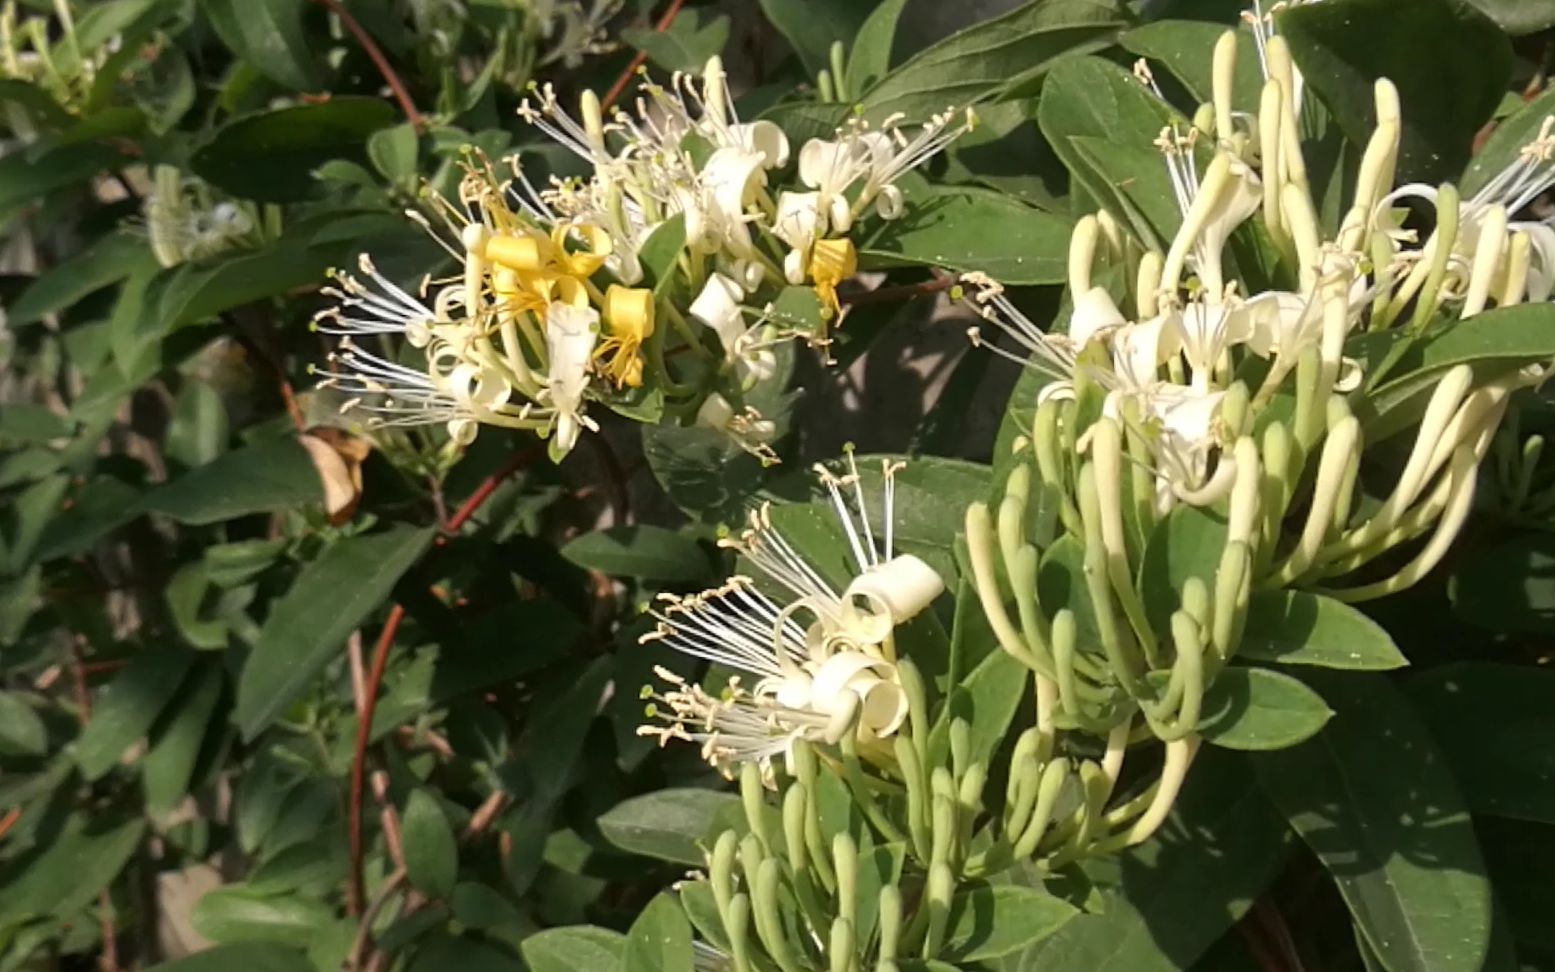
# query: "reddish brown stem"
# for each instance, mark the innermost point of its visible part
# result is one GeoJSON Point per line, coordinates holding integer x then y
{"type": "Point", "coordinates": [641, 58]}
{"type": "Point", "coordinates": [364, 728]}
{"type": "Point", "coordinates": [401, 94]}
{"type": "Point", "coordinates": [355, 889]}
{"type": "Point", "coordinates": [887, 295]}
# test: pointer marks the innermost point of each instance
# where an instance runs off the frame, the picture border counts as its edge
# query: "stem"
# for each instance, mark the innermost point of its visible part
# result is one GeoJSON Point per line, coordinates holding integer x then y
{"type": "Point", "coordinates": [884, 295]}
{"type": "Point", "coordinates": [364, 725]}
{"type": "Point", "coordinates": [380, 660]}
{"type": "Point", "coordinates": [638, 61]}
{"type": "Point", "coordinates": [401, 94]}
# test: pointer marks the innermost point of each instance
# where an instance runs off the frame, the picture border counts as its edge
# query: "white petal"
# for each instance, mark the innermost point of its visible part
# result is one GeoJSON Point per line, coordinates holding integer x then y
{"type": "Point", "coordinates": [1094, 313]}
{"type": "Point", "coordinates": [718, 307]}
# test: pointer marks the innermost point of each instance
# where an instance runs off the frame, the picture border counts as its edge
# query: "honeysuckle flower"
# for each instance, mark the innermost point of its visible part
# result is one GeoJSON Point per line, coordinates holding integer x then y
{"type": "Point", "coordinates": [746, 427]}
{"type": "Point", "coordinates": [877, 157]}
{"type": "Point", "coordinates": [818, 663]}
{"type": "Point", "coordinates": [747, 346]}
{"type": "Point", "coordinates": [1204, 331]}
{"type": "Point", "coordinates": [570, 333]}
{"type": "Point", "coordinates": [831, 262]}
{"type": "Point", "coordinates": [629, 317]}
{"type": "Point", "coordinates": [887, 589]}
{"type": "Point", "coordinates": [798, 223]}
{"type": "Point", "coordinates": [1493, 209]}
{"type": "Point", "coordinates": [1212, 209]}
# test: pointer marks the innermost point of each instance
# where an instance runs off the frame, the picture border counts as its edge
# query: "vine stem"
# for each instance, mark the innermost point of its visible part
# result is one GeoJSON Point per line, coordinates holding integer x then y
{"type": "Point", "coordinates": [368, 703]}
{"type": "Point", "coordinates": [373, 51]}
{"type": "Point", "coordinates": [641, 58]}
{"type": "Point", "coordinates": [884, 295]}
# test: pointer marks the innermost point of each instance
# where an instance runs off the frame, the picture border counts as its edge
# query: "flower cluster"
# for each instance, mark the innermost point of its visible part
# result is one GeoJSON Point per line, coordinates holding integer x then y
{"type": "Point", "coordinates": [1186, 397]}
{"type": "Point", "coordinates": [558, 305]}
{"type": "Point", "coordinates": [823, 660]}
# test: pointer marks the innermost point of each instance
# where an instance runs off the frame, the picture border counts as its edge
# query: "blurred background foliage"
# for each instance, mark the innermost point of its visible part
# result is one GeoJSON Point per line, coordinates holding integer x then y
{"type": "Point", "coordinates": [261, 677]}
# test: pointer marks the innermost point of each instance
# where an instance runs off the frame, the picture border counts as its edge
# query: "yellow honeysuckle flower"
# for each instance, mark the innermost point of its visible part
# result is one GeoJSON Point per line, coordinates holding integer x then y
{"type": "Point", "coordinates": [831, 262]}
{"type": "Point", "coordinates": [629, 317]}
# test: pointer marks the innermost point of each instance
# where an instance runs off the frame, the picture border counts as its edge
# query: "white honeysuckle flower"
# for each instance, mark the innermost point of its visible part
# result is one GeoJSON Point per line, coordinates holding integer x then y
{"type": "Point", "coordinates": [1211, 208]}
{"type": "Point", "coordinates": [1495, 206]}
{"type": "Point", "coordinates": [1095, 313]}
{"type": "Point", "coordinates": [887, 589]}
{"type": "Point", "coordinates": [381, 306]}
{"type": "Point", "coordinates": [892, 154]}
{"type": "Point", "coordinates": [1282, 324]}
{"type": "Point", "coordinates": [746, 428]}
{"type": "Point", "coordinates": [747, 346]}
{"type": "Point", "coordinates": [830, 167]}
{"type": "Point", "coordinates": [818, 663]}
{"type": "Point", "coordinates": [1204, 331]}
{"type": "Point", "coordinates": [798, 222]}
{"type": "Point", "coordinates": [730, 181]}
{"type": "Point", "coordinates": [570, 335]}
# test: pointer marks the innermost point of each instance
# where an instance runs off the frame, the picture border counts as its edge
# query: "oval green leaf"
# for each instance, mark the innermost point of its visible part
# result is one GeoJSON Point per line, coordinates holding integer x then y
{"type": "Point", "coordinates": [1258, 709]}
{"type": "Point", "coordinates": [1301, 628]}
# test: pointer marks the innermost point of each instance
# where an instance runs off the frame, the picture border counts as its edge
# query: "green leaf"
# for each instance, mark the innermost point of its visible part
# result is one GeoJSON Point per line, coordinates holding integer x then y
{"type": "Point", "coordinates": [1187, 544]}
{"type": "Point", "coordinates": [1086, 103]}
{"type": "Point", "coordinates": [1517, 17]}
{"type": "Point", "coordinates": [268, 36]}
{"type": "Point", "coordinates": [1509, 587]}
{"type": "Point", "coordinates": [812, 26]}
{"type": "Point", "coordinates": [987, 698]}
{"type": "Point", "coordinates": [1496, 728]}
{"type": "Point", "coordinates": [272, 474]}
{"type": "Point", "coordinates": [32, 423]}
{"type": "Point", "coordinates": [1495, 343]}
{"type": "Point", "coordinates": [1187, 48]}
{"type": "Point", "coordinates": [574, 948]}
{"type": "Point", "coordinates": [22, 732]}
{"type": "Point", "coordinates": [685, 45]}
{"type": "Point", "coordinates": [250, 957]}
{"type": "Point", "coordinates": [443, 952]}
{"type": "Point", "coordinates": [235, 913]}
{"type": "Point", "coordinates": [1255, 708]}
{"type": "Point", "coordinates": [1507, 141]}
{"type": "Point", "coordinates": [479, 906]}
{"type": "Point", "coordinates": [1371, 794]}
{"type": "Point", "coordinates": [194, 292]}
{"type": "Point", "coordinates": [25, 180]}
{"type": "Point", "coordinates": [870, 57]}
{"type": "Point", "coordinates": [975, 229]}
{"type": "Point", "coordinates": [1521, 858]}
{"type": "Point", "coordinates": [175, 745]}
{"type": "Point", "coordinates": [431, 850]}
{"type": "Point", "coordinates": [971, 64]}
{"type": "Point", "coordinates": [197, 432]}
{"type": "Point", "coordinates": [1448, 61]}
{"type": "Point", "coordinates": [271, 155]}
{"type": "Point", "coordinates": [102, 505]}
{"type": "Point", "coordinates": [109, 259]}
{"type": "Point", "coordinates": [660, 939]}
{"type": "Point", "coordinates": [671, 824]}
{"type": "Point", "coordinates": [393, 152]}
{"type": "Point", "coordinates": [1170, 898]}
{"type": "Point", "coordinates": [661, 250]}
{"type": "Point", "coordinates": [640, 550]}
{"type": "Point", "coordinates": [60, 877]}
{"type": "Point", "coordinates": [559, 722]}
{"type": "Point", "coordinates": [308, 625]}
{"type": "Point", "coordinates": [701, 470]}
{"type": "Point", "coordinates": [1300, 628]}
{"type": "Point", "coordinates": [989, 921]}
{"type": "Point", "coordinates": [125, 709]}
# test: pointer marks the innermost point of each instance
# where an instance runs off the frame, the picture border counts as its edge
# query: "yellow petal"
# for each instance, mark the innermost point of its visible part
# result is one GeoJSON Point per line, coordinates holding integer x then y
{"type": "Point", "coordinates": [529, 253]}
